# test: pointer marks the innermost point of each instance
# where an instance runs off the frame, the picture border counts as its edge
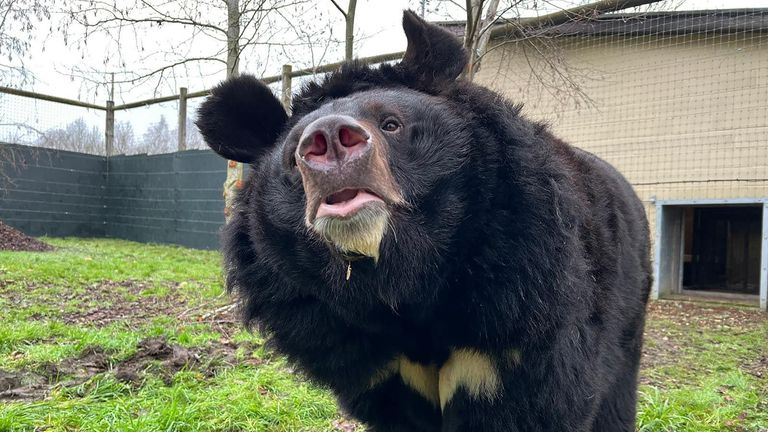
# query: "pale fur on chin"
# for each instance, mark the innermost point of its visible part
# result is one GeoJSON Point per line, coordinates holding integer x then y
{"type": "Point", "coordinates": [360, 233]}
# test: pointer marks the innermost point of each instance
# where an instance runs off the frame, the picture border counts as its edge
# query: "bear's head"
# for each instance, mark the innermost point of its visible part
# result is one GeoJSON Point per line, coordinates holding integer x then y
{"type": "Point", "coordinates": [369, 159]}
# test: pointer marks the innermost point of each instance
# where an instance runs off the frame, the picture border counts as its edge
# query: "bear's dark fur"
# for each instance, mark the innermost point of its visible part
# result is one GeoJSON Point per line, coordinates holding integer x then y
{"type": "Point", "coordinates": [510, 284]}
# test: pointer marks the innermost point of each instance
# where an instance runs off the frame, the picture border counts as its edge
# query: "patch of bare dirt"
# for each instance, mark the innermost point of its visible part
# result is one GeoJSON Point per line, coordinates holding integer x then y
{"type": "Point", "coordinates": [708, 316]}
{"type": "Point", "coordinates": [664, 344]}
{"type": "Point", "coordinates": [130, 302]}
{"type": "Point", "coordinates": [154, 356]}
{"type": "Point", "coordinates": [108, 303]}
{"type": "Point", "coordinates": [22, 385]}
{"type": "Point", "coordinates": [758, 368]}
{"type": "Point", "coordinates": [36, 384]}
{"type": "Point", "coordinates": [346, 425]}
{"type": "Point", "coordinates": [12, 239]}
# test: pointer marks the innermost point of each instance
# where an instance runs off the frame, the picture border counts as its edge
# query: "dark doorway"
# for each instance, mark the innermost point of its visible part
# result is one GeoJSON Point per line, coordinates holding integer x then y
{"type": "Point", "coordinates": [721, 248]}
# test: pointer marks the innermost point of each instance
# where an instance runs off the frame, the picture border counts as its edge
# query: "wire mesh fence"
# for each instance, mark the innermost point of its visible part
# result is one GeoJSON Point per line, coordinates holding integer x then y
{"type": "Point", "coordinates": [153, 129]}
{"type": "Point", "coordinates": [148, 129]}
{"type": "Point", "coordinates": [144, 127]}
{"type": "Point", "coordinates": [32, 121]}
{"type": "Point", "coordinates": [677, 101]}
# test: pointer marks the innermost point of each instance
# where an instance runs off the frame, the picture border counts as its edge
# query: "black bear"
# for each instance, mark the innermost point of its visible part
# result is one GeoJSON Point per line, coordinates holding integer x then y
{"type": "Point", "coordinates": [411, 241]}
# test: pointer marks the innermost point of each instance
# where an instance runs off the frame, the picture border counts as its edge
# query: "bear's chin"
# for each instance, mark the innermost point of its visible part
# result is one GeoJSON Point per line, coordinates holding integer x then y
{"type": "Point", "coordinates": [358, 235]}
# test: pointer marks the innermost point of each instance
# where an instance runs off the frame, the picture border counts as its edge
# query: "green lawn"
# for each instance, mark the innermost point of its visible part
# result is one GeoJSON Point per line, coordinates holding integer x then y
{"type": "Point", "coordinates": [705, 368]}
{"type": "Point", "coordinates": [224, 380]}
{"type": "Point", "coordinates": [108, 335]}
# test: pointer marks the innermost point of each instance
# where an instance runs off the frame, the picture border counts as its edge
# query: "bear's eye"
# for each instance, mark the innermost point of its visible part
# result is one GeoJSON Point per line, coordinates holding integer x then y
{"type": "Point", "coordinates": [390, 125]}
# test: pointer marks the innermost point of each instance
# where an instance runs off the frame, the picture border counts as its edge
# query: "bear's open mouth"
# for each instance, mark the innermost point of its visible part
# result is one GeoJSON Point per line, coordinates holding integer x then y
{"type": "Point", "coordinates": [346, 202]}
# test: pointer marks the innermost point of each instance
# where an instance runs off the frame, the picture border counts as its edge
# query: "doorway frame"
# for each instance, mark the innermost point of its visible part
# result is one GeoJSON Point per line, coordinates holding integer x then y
{"type": "Point", "coordinates": [668, 245]}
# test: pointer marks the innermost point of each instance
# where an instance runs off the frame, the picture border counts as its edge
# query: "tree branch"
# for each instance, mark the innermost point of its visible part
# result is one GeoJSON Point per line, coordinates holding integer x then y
{"type": "Point", "coordinates": [339, 8]}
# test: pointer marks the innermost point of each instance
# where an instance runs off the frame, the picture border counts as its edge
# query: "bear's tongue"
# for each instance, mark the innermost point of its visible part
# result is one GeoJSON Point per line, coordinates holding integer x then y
{"type": "Point", "coordinates": [339, 197]}
{"type": "Point", "coordinates": [345, 202]}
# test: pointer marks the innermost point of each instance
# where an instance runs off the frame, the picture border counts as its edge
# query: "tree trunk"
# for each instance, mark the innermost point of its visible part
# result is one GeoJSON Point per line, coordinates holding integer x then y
{"type": "Point", "coordinates": [233, 37]}
{"type": "Point", "coordinates": [234, 179]}
{"type": "Point", "coordinates": [481, 41]}
{"type": "Point", "coordinates": [474, 10]}
{"type": "Point", "coordinates": [350, 30]}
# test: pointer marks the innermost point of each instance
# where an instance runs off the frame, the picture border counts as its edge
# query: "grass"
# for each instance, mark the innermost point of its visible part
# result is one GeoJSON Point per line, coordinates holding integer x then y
{"type": "Point", "coordinates": [705, 369]}
{"type": "Point", "coordinates": [705, 374]}
{"type": "Point", "coordinates": [40, 291]}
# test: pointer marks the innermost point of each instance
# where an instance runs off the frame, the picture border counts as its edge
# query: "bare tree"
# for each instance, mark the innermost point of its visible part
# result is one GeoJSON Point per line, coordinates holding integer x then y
{"type": "Point", "coordinates": [208, 36]}
{"type": "Point", "coordinates": [477, 34]}
{"type": "Point", "coordinates": [527, 25]}
{"type": "Point", "coordinates": [195, 140]}
{"type": "Point", "coordinates": [194, 137]}
{"type": "Point", "coordinates": [349, 28]}
{"type": "Point", "coordinates": [233, 37]}
{"type": "Point", "coordinates": [163, 43]}
{"type": "Point", "coordinates": [76, 136]}
{"type": "Point", "coordinates": [158, 138]}
{"type": "Point", "coordinates": [18, 20]}
{"type": "Point", "coordinates": [125, 138]}
{"type": "Point", "coordinates": [485, 19]}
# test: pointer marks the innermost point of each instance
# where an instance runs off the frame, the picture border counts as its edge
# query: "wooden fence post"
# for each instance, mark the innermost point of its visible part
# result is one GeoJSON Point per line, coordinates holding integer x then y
{"type": "Point", "coordinates": [182, 119]}
{"type": "Point", "coordinates": [109, 129]}
{"type": "Point", "coordinates": [285, 78]}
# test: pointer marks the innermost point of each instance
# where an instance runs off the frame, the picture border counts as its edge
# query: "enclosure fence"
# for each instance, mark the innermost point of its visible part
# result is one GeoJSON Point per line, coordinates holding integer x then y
{"type": "Point", "coordinates": [677, 101]}
{"type": "Point", "coordinates": [167, 123]}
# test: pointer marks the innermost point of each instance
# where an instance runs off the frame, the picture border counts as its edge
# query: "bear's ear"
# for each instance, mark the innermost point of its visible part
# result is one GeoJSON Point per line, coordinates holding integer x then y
{"type": "Point", "coordinates": [241, 119]}
{"type": "Point", "coordinates": [434, 55]}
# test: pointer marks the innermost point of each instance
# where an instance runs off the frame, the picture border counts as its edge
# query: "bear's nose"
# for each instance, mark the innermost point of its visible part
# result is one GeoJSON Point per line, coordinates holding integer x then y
{"type": "Point", "coordinates": [332, 140]}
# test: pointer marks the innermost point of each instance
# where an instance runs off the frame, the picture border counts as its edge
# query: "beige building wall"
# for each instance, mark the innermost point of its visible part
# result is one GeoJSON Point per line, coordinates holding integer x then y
{"type": "Point", "coordinates": [682, 117]}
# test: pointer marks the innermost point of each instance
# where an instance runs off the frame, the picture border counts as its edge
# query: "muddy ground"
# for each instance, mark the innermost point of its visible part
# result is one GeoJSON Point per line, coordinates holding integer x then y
{"type": "Point", "coordinates": [154, 356]}
{"type": "Point", "coordinates": [98, 304]}
{"type": "Point", "coordinates": [665, 344]}
{"type": "Point", "coordinates": [126, 302]}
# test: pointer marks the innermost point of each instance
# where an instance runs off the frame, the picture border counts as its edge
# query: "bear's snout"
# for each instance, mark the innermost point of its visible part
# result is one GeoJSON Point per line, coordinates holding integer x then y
{"type": "Point", "coordinates": [331, 141]}
{"type": "Point", "coordinates": [344, 167]}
